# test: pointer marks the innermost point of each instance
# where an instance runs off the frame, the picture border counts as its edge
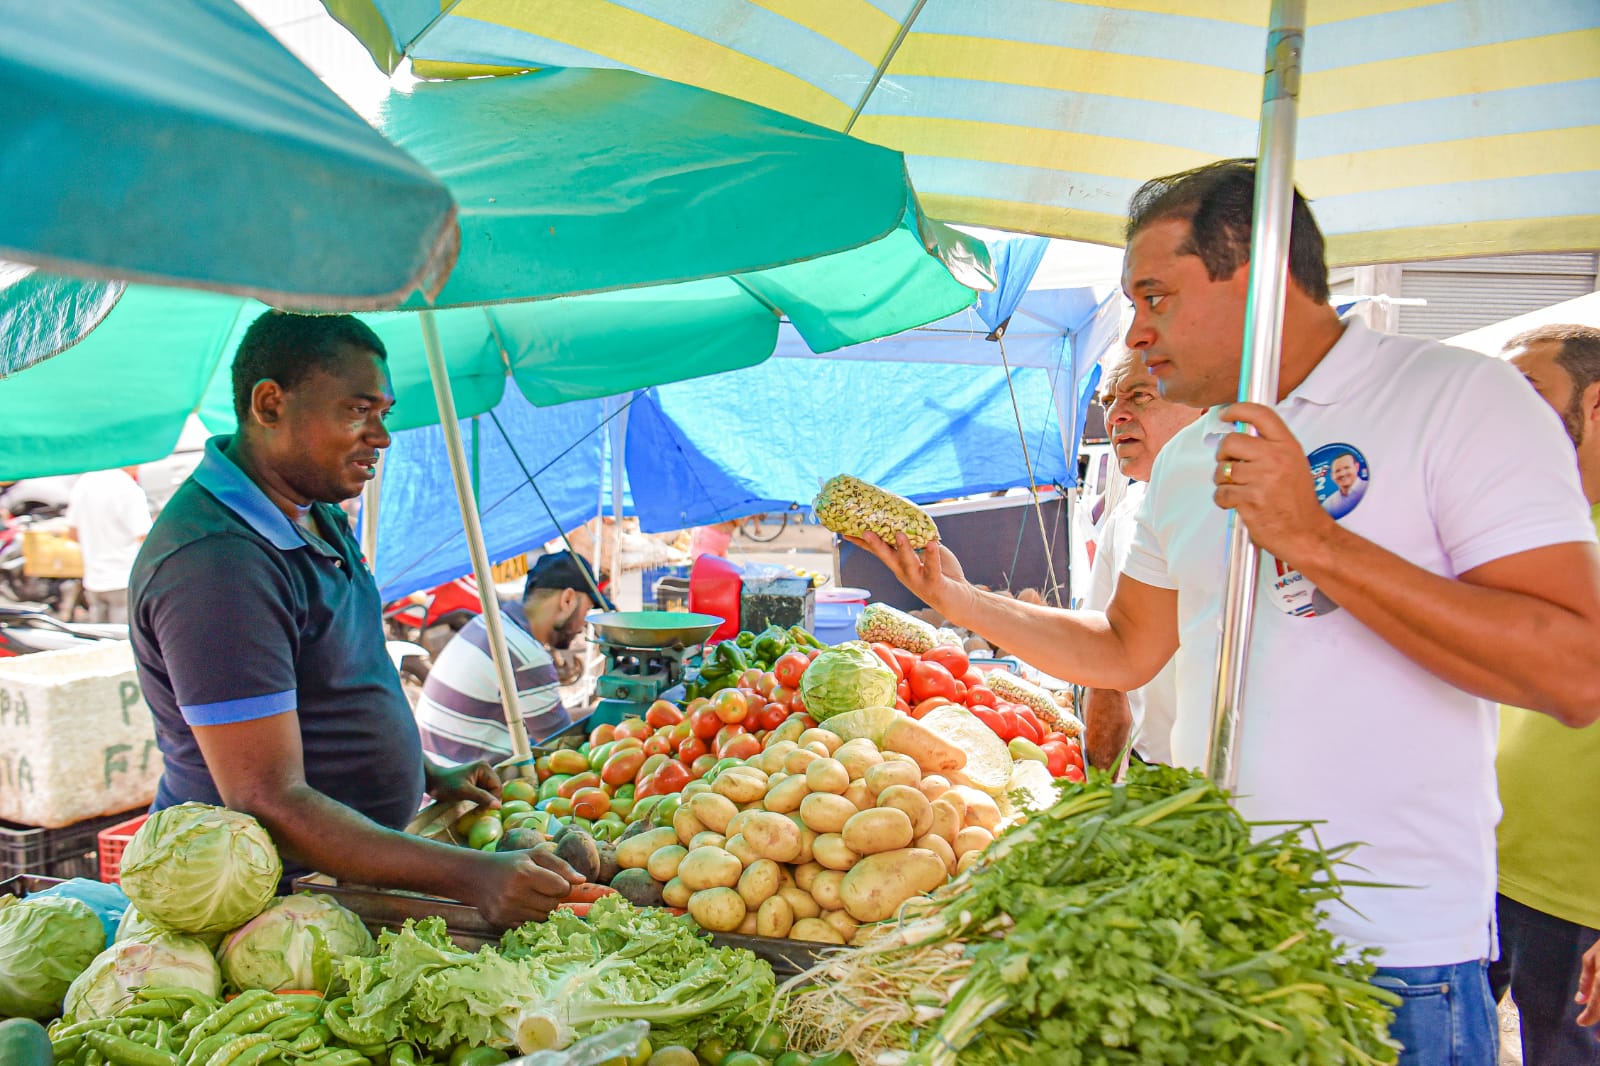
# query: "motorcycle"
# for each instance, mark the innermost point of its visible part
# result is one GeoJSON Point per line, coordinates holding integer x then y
{"type": "Point", "coordinates": [59, 595]}
{"type": "Point", "coordinates": [421, 624]}
{"type": "Point", "coordinates": [25, 630]}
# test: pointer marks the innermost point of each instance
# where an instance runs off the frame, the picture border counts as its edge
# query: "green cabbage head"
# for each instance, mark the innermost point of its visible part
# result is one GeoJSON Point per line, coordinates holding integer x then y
{"type": "Point", "coordinates": [135, 926]}
{"type": "Point", "coordinates": [164, 959]}
{"type": "Point", "coordinates": [846, 677]}
{"type": "Point", "coordinates": [44, 944]}
{"type": "Point", "coordinates": [292, 944]}
{"type": "Point", "coordinates": [197, 868]}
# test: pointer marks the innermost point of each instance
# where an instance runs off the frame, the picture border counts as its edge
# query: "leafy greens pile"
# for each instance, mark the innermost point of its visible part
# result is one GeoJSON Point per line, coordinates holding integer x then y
{"type": "Point", "coordinates": [1129, 923]}
{"type": "Point", "coordinates": [552, 982]}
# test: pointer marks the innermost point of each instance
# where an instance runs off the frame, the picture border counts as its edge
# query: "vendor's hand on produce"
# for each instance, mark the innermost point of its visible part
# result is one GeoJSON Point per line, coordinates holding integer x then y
{"type": "Point", "coordinates": [474, 781]}
{"type": "Point", "coordinates": [1267, 480]}
{"type": "Point", "coordinates": [524, 886]}
{"type": "Point", "coordinates": [1589, 986]}
{"type": "Point", "coordinates": [934, 573]}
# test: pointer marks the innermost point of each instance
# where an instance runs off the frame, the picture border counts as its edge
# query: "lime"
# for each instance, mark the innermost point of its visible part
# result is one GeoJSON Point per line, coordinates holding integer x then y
{"type": "Point", "coordinates": [770, 1041]}
{"type": "Point", "coordinates": [712, 1050]}
{"type": "Point", "coordinates": [745, 1058]}
{"type": "Point", "coordinates": [793, 1058]}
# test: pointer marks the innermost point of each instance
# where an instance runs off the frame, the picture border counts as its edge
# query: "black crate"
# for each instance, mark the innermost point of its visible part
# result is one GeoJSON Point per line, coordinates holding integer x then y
{"type": "Point", "coordinates": [71, 851]}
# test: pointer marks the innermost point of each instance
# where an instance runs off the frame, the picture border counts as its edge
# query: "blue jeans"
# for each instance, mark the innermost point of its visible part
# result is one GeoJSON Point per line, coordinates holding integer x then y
{"type": "Point", "coordinates": [1446, 1016]}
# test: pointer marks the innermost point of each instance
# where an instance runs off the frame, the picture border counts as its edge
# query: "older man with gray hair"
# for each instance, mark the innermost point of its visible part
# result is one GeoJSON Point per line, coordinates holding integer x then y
{"type": "Point", "coordinates": [1139, 423]}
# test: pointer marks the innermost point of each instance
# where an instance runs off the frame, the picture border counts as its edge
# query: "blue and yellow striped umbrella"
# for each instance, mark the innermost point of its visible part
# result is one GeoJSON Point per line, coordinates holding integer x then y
{"type": "Point", "coordinates": [1428, 127]}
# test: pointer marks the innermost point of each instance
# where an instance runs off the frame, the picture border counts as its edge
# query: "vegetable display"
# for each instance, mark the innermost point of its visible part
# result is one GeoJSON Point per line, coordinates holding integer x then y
{"type": "Point", "coordinates": [195, 868]}
{"type": "Point", "coordinates": [45, 943]}
{"type": "Point", "coordinates": [1134, 922]}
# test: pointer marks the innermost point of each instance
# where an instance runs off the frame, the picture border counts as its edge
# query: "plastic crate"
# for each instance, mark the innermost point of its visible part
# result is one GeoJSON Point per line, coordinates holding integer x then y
{"type": "Point", "coordinates": [649, 578]}
{"type": "Point", "coordinates": [112, 841]}
{"type": "Point", "coordinates": [71, 851]}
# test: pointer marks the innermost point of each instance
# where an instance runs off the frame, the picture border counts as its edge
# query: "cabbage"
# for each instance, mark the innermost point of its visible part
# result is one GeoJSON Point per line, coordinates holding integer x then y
{"type": "Point", "coordinates": [44, 944]}
{"type": "Point", "coordinates": [847, 677]}
{"type": "Point", "coordinates": [292, 944]}
{"type": "Point", "coordinates": [200, 869]}
{"type": "Point", "coordinates": [135, 926]}
{"type": "Point", "coordinates": [164, 960]}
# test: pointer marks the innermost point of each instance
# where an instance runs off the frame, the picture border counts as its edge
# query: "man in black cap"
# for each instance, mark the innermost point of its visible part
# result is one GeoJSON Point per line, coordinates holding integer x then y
{"type": "Point", "coordinates": [459, 713]}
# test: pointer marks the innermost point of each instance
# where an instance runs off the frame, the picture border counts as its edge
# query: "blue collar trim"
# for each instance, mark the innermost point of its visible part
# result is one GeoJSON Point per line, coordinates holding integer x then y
{"type": "Point", "coordinates": [232, 487]}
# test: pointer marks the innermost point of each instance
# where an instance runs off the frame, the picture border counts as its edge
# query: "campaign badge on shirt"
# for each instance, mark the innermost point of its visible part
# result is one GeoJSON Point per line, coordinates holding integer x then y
{"type": "Point", "coordinates": [1341, 474]}
{"type": "Point", "coordinates": [1294, 593]}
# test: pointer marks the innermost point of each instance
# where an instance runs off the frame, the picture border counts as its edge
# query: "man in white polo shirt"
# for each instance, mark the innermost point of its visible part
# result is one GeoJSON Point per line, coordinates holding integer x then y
{"type": "Point", "coordinates": [1463, 574]}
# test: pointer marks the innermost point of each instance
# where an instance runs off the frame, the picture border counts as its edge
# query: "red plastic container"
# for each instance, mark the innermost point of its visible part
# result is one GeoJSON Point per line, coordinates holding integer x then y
{"type": "Point", "coordinates": [715, 587]}
{"type": "Point", "coordinates": [112, 841]}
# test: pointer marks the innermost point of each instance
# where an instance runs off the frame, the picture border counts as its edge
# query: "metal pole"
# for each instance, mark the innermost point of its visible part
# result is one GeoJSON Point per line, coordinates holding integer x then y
{"type": "Point", "coordinates": [1258, 369]}
{"type": "Point", "coordinates": [474, 529]}
{"type": "Point", "coordinates": [619, 431]}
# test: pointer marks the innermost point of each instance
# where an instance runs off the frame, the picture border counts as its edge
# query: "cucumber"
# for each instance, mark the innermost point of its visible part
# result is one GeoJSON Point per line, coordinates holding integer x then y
{"type": "Point", "coordinates": [24, 1042]}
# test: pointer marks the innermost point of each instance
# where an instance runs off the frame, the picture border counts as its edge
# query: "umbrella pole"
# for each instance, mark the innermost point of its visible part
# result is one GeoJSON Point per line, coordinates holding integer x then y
{"type": "Point", "coordinates": [474, 529]}
{"type": "Point", "coordinates": [619, 430]}
{"type": "Point", "coordinates": [1258, 370]}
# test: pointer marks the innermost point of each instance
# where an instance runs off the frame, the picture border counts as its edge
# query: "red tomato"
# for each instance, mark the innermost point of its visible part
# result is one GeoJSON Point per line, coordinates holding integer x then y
{"type": "Point", "coordinates": [1030, 729]}
{"type": "Point", "coordinates": [906, 660]}
{"type": "Point", "coordinates": [768, 682]}
{"type": "Point", "coordinates": [1056, 757]}
{"type": "Point", "coordinates": [602, 734]}
{"type": "Point", "coordinates": [691, 749]}
{"type": "Point", "coordinates": [972, 678]}
{"type": "Point", "coordinates": [901, 705]}
{"type": "Point", "coordinates": [680, 733]}
{"type": "Point", "coordinates": [695, 704]}
{"type": "Point", "coordinates": [982, 697]}
{"type": "Point", "coordinates": [807, 721]}
{"type": "Point", "coordinates": [991, 718]}
{"type": "Point", "coordinates": [725, 734]}
{"type": "Point", "coordinates": [811, 655]}
{"type": "Point", "coordinates": [744, 746]}
{"type": "Point", "coordinates": [1074, 774]}
{"type": "Point", "coordinates": [929, 704]}
{"type": "Point", "coordinates": [952, 659]}
{"type": "Point", "coordinates": [773, 715]}
{"type": "Point", "coordinates": [1053, 735]}
{"type": "Point", "coordinates": [658, 745]}
{"type": "Point", "coordinates": [702, 765]}
{"type": "Point", "coordinates": [577, 781]}
{"type": "Point", "coordinates": [782, 694]}
{"type": "Point", "coordinates": [1074, 754]}
{"type": "Point", "coordinates": [621, 767]}
{"type": "Point", "coordinates": [649, 766]}
{"type": "Point", "coordinates": [886, 653]}
{"type": "Point", "coordinates": [704, 722]}
{"type": "Point", "coordinates": [931, 679]}
{"type": "Point", "coordinates": [789, 667]}
{"type": "Point", "coordinates": [730, 705]}
{"type": "Point", "coordinates": [750, 679]}
{"type": "Point", "coordinates": [661, 713]}
{"type": "Point", "coordinates": [903, 690]}
{"type": "Point", "coordinates": [671, 776]}
{"type": "Point", "coordinates": [1010, 724]}
{"type": "Point", "coordinates": [635, 727]}
{"type": "Point", "coordinates": [590, 803]}
{"type": "Point", "coordinates": [797, 702]}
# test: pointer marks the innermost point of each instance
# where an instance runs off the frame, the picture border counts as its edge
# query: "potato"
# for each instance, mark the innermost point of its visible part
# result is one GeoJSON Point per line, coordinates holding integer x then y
{"type": "Point", "coordinates": [822, 750]}
{"type": "Point", "coordinates": [775, 777]}
{"type": "Point", "coordinates": [861, 796]}
{"type": "Point", "coordinates": [953, 799]}
{"type": "Point", "coordinates": [706, 839]}
{"type": "Point", "coordinates": [841, 920]}
{"type": "Point", "coordinates": [750, 926]}
{"type": "Point", "coordinates": [824, 888]}
{"type": "Point", "coordinates": [933, 753]}
{"type": "Point", "coordinates": [759, 883]}
{"type": "Point", "coordinates": [940, 847]}
{"type": "Point", "coordinates": [897, 756]}
{"type": "Point", "coordinates": [634, 853]}
{"type": "Point", "coordinates": [717, 909]}
{"type": "Point", "coordinates": [826, 738]}
{"type": "Point", "coordinates": [577, 849]}
{"type": "Point", "coordinates": [968, 861]}
{"type": "Point", "coordinates": [858, 756]}
{"type": "Point", "coordinates": [815, 929]}
{"type": "Point", "coordinates": [693, 789]}
{"type": "Point", "coordinates": [705, 868]}
{"type": "Point", "coordinates": [781, 749]}
{"type": "Point", "coordinates": [639, 888]}
{"type": "Point", "coordinates": [798, 759]}
{"type": "Point", "coordinates": [736, 824]}
{"type": "Point", "coordinates": [775, 918]}
{"type": "Point", "coordinates": [915, 805]}
{"type": "Point", "coordinates": [880, 829]}
{"type": "Point", "coordinates": [742, 784]}
{"type": "Point", "coordinates": [887, 774]}
{"type": "Point", "coordinates": [934, 785]}
{"type": "Point", "coordinates": [714, 811]}
{"type": "Point", "coordinates": [805, 873]}
{"type": "Point", "coordinates": [766, 762]}
{"type": "Point", "coordinates": [876, 886]}
{"type": "Point", "coordinates": [981, 809]}
{"type": "Point", "coordinates": [740, 848]}
{"type": "Point", "coordinates": [826, 813]}
{"type": "Point", "coordinates": [830, 851]}
{"type": "Point", "coordinates": [827, 775]}
{"type": "Point", "coordinates": [972, 838]}
{"type": "Point", "coordinates": [946, 820]}
{"type": "Point", "coordinates": [663, 864]}
{"type": "Point", "coordinates": [773, 836]}
{"type": "Point", "coordinates": [675, 893]}
{"type": "Point", "coordinates": [787, 873]}
{"type": "Point", "coordinates": [788, 794]}
{"type": "Point", "coordinates": [686, 825]}
{"type": "Point", "coordinates": [800, 901]}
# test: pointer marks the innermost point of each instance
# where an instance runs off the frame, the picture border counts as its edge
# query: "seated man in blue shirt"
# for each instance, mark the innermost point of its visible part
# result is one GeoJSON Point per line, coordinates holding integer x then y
{"type": "Point", "coordinates": [257, 630]}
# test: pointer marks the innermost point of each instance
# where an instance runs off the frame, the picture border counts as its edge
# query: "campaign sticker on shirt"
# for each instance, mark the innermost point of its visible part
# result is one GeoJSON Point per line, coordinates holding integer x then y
{"type": "Point", "coordinates": [1295, 594]}
{"type": "Point", "coordinates": [1341, 474]}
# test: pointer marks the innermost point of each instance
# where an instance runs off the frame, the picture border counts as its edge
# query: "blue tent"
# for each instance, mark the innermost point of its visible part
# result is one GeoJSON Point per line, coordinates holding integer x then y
{"type": "Point", "coordinates": [928, 413]}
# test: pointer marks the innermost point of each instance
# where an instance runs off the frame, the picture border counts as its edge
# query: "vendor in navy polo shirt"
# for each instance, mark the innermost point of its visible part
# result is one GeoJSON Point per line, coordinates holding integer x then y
{"type": "Point", "coordinates": [261, 651]}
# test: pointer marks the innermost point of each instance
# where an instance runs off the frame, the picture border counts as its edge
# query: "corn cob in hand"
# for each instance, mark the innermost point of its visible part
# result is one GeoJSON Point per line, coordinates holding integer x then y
{"type": "Point", "coordinates": [850, 506]}
{"type": "Point", "coordinates": [880, 623]}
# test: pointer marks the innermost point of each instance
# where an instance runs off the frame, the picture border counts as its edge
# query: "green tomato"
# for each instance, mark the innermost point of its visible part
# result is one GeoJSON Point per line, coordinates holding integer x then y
{"type": "Point", "coordinates": [673, 1055]}
{"type": "Point", "coordinates": [712, 1050]}
{"type": "Point", "coordinates": [772, 1040]}
{"type": "Point", "coordinates": [661, 816]}
{"type": "Point", "coordinates": [744, 1058]}
{"type": "Point", "coordinates": [598, 757]}
{"type": "Point", "coordinates": [547, 790]}
{"type": "Point", "coordinates": [794, 1058]}
{"type": "Point", "coordinates": [511, 807]}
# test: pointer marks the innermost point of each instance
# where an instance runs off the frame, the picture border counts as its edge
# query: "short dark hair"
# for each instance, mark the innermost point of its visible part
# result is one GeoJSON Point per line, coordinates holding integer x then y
{"type": "Point", "coordinates": [285, 347]}
{"type": "Point", "coordinates": [1217, 200]}
{"type": "Point", "coordinates": [1579, 355]}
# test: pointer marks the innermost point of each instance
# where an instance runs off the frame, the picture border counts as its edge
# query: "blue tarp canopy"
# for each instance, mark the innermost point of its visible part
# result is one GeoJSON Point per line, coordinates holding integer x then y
{"type": "Point", "coordinates": [928, 413]}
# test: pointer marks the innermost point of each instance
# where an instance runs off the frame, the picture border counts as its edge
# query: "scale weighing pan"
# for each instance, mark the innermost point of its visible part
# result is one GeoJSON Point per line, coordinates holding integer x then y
{"type": "Point", "coordinates": [653, 629]}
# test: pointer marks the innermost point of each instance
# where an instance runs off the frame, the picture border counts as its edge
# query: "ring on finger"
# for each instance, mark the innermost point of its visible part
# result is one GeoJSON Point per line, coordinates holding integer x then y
{"type": "Point", "coordinates": [1227, 473]}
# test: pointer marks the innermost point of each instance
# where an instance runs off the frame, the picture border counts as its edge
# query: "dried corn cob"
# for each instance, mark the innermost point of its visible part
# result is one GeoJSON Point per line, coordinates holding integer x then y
{"type": "Point", "coordinates": [850, 506]}
{"type": "Point", "coordinates": [878, 622]}
{"type": "Point", "coordinates": [1009, 686]}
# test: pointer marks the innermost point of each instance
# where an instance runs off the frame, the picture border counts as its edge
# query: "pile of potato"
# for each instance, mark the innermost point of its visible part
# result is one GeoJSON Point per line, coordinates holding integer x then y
{"type": "Point", "coordinates": [816, 836]}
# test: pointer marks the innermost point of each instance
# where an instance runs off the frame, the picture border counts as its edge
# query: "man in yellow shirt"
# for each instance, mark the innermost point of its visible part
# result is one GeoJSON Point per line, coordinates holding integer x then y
{"type": "Point", "coordinates": [1547, 909]}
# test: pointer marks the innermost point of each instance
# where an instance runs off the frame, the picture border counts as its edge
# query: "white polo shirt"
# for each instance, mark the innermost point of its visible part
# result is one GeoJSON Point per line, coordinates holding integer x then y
{"type": "Point", "coordinates": [1154, 706]}
{"type": "Point", "coordinates": [1460, 463]}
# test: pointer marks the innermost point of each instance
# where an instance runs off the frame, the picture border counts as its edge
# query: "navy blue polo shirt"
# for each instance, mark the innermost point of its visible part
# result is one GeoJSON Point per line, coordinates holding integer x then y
{"type": "Point", "coordinates": [237, 615]}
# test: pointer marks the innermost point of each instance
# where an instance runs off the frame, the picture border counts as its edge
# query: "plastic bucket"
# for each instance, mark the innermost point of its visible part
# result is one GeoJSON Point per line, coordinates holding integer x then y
{"type": "Point", "coordinates": [836, 613]}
